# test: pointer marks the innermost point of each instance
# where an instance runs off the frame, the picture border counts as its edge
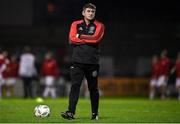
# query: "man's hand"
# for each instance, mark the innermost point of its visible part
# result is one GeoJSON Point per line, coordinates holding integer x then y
{"type": "Point", "coordinates": [77, 35]}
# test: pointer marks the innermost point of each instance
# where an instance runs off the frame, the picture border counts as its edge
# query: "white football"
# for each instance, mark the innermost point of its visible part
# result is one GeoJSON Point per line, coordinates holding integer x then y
{"type": "Point", "coordinates": [42, 111]}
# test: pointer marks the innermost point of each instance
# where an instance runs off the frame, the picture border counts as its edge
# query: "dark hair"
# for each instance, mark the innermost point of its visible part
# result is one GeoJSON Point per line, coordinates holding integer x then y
{"type": "Point", "coordinates": [89, 5]}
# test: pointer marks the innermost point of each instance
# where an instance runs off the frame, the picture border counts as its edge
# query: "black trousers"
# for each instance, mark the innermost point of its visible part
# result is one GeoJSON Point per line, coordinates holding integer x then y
{"type": "Point", "coordinates": [27, 82]}
{"type": "Point", "coordinates": [78, 71]}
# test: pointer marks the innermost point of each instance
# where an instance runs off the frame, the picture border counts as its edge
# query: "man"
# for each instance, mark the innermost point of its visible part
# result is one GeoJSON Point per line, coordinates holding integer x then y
{"type": "Point", "coordinates": [164, 64]}
{"type": "Point", "coordinates": [4, 61]}
{"type": "Point", "coordinates": [11, 74]}
{"type": "Point", "coordinates": [27, 71]}
{"type": "Point", "coordinates": [50, 72]}
{"type": "Point", "coordinates": [154, 76]}
{"type": "Point", "coordinates": [84, 37]}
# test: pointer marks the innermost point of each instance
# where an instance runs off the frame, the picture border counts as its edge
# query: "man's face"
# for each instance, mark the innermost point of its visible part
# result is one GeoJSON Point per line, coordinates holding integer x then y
{"type": "Point", "coordinates": [89, 13]}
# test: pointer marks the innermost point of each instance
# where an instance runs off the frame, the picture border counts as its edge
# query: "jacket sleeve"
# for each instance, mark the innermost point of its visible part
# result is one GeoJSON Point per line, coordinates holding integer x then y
{"type": "Point", "coordinates": [96, 37]}
{"type": "Point", "coordinates": [73, 36]}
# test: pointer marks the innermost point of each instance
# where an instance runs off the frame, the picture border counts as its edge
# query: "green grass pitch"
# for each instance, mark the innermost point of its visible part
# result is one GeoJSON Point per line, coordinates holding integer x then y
{"type": "Point", "coordinates": [111, 110]}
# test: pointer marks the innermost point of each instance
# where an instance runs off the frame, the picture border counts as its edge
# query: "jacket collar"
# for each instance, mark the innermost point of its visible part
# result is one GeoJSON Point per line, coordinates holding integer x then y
{"type": "Point", "coordinates": [91, 21]}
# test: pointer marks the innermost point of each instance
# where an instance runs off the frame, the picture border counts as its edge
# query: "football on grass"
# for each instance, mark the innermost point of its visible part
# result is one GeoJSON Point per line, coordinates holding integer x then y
{"type": "Point", "coordinates": [42, 111]}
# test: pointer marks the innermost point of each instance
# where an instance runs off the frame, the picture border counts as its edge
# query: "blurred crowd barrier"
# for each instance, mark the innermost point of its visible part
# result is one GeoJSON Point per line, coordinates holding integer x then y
{"type": "Point", "coordinates": [109, 86]}
{"type": "Point", "coordinates": [124, 86]}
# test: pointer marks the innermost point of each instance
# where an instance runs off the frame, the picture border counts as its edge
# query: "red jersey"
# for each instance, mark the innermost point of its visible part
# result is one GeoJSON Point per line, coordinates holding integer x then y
{"type": "Point", "coordinates": [177, 66]}
{"type": "Point", "coordinates": [50, 68]}
{"type": "Point", "coordinates": [3, 65]}
{"type": "Point", "coordinates": [164, 64]}
{"type": "Point", "coordinates": [12, 69]}
{"type": "Point", "coordinates": [155, 70]}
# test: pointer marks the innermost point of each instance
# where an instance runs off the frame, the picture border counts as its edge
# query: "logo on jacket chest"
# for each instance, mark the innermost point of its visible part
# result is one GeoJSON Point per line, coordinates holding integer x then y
{"type": "Point", "coordinates": [87, 30]}
{"type": "Point", "coordinates": [80, 29]}
{"type": "Point", "coordinates": [91, 30]}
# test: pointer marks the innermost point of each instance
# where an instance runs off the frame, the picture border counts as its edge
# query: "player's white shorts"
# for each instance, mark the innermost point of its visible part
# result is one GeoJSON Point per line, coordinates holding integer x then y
{"type": "Point", "coordinates": [162, 81]}
{"type": "Point", "coordinates": [49, 80]}
{"type": "Point", "coordinates": [177, 82]}
{"type": "Point", "coordinates": [2, 81]}
{"type": "Point", "coordinates": [10, 81]}
{"type": "Point", "coordinates": [153, 82]}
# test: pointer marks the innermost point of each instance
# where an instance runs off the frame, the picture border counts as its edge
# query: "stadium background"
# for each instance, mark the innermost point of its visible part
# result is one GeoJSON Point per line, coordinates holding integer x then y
{"type": "Point", "coordinates": [135, 30]}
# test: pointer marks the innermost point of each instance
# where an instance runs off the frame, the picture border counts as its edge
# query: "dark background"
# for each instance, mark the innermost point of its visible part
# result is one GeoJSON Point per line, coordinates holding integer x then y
{"type": "Point", "coordinates": [135, 30]}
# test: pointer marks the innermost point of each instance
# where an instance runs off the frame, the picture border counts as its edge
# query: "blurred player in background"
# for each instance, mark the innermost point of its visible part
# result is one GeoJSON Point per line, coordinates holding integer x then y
{"type": "Point", "coordinates": [4, 61]}
{"type": "Point", "coordinates": [50, 72]}
{"type": "Point", "coordinates": [84, 37]}
{"type": "Point", "coordinates": [11, 74]}
{"type": "Point", "coordinates": [164, 65]}
{"type": "Point", "coordinates": [177, 69]}
{"type": "Point", "coordinates": [154, 76]}
{"type": "Point", "coordinates": [27, 71]}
